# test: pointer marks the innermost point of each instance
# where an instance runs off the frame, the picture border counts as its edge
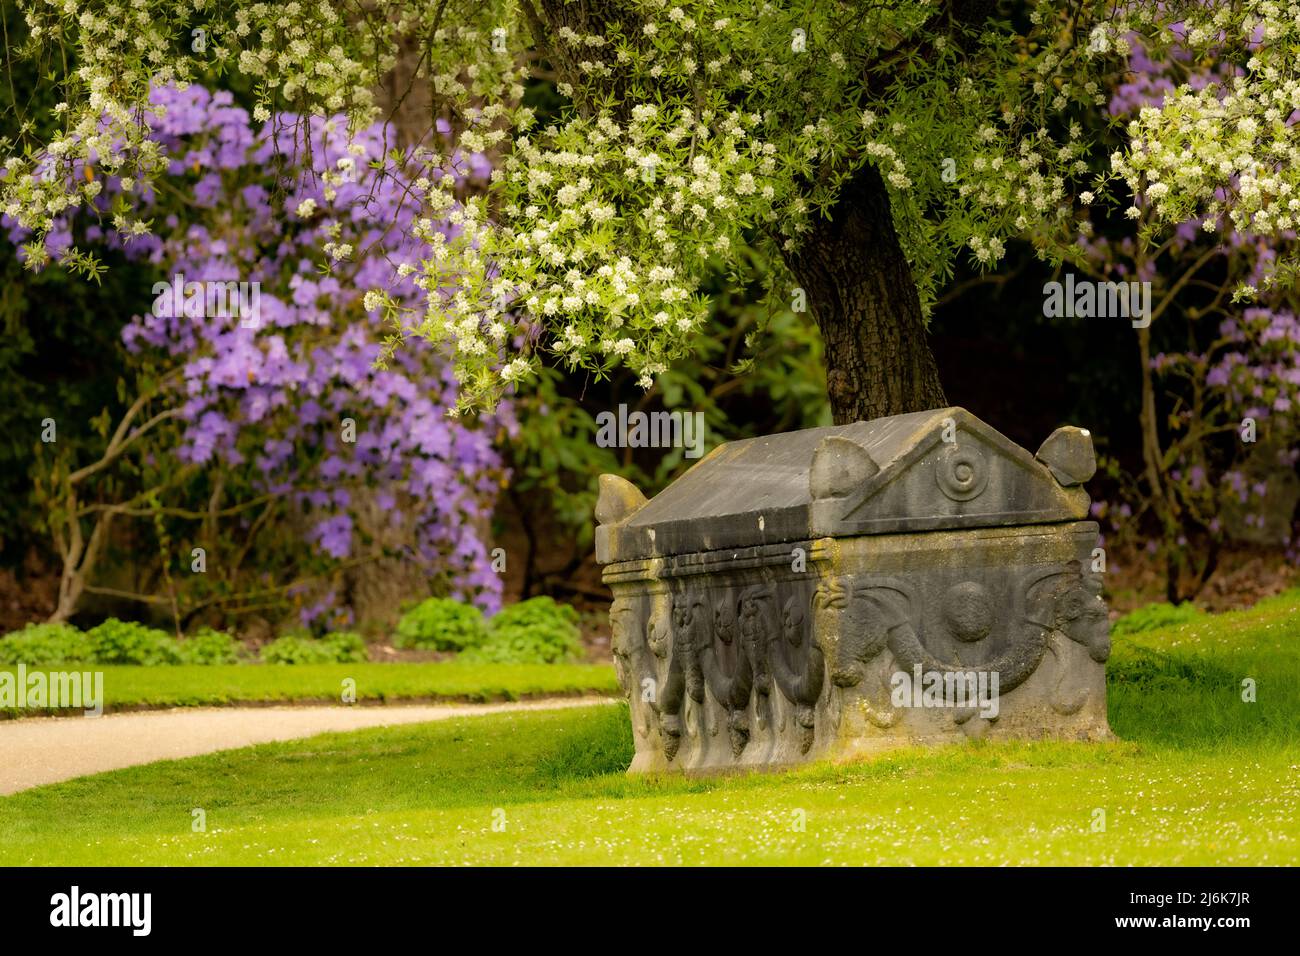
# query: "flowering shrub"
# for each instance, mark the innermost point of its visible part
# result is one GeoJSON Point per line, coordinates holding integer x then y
{"type": "Point", "coordinates": [278, 397]}
{"type": "Point", "coordinates": [1245, 380]}
{"type": "Point", "coordinates": [289, 405]}
{"type": "Point", "coordinates": [1220, 448]}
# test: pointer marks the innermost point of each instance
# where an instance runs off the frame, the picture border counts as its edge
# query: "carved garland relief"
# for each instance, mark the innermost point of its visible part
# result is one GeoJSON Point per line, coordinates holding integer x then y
{"type": "Point", "coordinates": [735, 644]}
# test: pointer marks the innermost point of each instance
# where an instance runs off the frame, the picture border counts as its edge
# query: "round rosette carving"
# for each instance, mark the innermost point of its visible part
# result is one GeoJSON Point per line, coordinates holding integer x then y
{"type": "Point", "coordinates": [961, 472]}
{"type": "Point", "coordinates": [969, 615]}
{"type": "Point", "coordinates": [968, 612]}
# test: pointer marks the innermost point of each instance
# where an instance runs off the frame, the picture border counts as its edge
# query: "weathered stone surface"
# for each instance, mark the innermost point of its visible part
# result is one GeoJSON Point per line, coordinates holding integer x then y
{"type": "Point", "coordinates": [769, 604]}
{"type": "Point", "coordinates": [1068, 454]}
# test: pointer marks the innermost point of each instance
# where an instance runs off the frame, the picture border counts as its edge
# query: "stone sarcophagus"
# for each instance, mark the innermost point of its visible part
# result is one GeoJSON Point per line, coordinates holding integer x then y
{"type": "Point", "coordinates": [835, 592]}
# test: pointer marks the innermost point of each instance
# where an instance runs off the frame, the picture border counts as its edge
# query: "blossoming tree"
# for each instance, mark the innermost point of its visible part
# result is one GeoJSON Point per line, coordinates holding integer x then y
{"type": "Point", "coordinates": [1218, 433]}
{"type": "Point", "coordinates": [867, 143]}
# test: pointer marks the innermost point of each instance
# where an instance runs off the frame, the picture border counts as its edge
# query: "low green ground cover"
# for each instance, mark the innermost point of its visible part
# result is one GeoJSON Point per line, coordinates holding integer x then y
{"type": "Point", "coordinates": [1197, 776]}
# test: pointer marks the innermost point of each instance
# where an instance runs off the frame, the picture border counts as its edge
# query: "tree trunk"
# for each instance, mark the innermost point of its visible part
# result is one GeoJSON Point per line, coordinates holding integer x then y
{"type": "Point", "coordinates": [862, 294]}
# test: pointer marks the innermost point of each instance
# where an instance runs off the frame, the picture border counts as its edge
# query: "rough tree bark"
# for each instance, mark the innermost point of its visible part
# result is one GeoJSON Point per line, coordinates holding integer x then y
{"type": "Point", "coordinates": [863, 296]}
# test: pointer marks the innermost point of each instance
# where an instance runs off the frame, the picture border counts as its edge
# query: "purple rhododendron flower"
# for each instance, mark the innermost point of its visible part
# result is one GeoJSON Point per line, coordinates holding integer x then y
{"type": "Point", "coordinates": [295, 397]}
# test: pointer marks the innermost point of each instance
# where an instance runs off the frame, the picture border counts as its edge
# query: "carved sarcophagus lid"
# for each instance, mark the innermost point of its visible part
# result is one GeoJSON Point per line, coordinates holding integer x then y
{"type": "Point", "coordinates": [805, 591]}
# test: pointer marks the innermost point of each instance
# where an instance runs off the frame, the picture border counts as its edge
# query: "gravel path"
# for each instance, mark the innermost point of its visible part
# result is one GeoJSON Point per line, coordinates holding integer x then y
{"type": "Point", "coordinates": [40, 750]}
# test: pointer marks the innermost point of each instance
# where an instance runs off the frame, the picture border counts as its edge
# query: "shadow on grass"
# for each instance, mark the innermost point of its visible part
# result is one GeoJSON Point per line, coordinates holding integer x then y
{"type": "Point", "coordinates": [1201, 700]}
{"type": "Point", "coordinates": [599, 746]}
{"type": "Point", "coordinates": [1167, 698]}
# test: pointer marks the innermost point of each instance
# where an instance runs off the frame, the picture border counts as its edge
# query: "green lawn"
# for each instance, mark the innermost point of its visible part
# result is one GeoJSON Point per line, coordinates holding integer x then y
{"type": "Point", "coordinates": [190, 686]}
{"type": "Point", "coordinates": [1198, 777]}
